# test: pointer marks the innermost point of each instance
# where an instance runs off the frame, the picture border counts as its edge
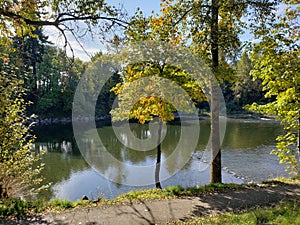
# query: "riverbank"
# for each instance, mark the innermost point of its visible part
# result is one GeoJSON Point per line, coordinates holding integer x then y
{"type": "Point", "coordinates": [173, 204]}
{"type": "Point", "coordinates": [45, 121]}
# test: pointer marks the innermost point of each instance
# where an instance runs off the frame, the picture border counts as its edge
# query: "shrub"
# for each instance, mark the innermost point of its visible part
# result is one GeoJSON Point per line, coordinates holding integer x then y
{"type": "Point", "coordinates": [20, 167]}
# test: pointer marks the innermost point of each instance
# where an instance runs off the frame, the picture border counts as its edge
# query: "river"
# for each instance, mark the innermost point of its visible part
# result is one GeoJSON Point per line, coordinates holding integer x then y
{"type": "Point", "coordinates": [245, 158]}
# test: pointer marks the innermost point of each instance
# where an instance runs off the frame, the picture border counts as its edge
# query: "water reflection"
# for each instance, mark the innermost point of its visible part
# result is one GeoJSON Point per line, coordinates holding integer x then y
{"type": "Point", "coordinates": [250, 133]}
{"type": "Point", "coordinates": [135, 167]}
{"type": "Point", "coordinates": [245, 153]}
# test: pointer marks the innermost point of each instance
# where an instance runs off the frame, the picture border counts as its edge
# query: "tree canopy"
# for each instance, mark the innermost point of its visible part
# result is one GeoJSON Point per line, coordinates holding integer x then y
{"type": "Point", "coordinates": [276, 63]}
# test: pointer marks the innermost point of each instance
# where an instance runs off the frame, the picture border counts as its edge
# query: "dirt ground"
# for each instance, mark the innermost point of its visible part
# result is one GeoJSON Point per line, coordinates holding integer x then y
{"type": "Point", "coordinates": [153, 212]}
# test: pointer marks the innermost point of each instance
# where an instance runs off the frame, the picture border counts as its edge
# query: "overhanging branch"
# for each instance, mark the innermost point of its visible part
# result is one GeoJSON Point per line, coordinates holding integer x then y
{"type": "Point", "coordinates": [61, 21]}
{"type": "Point", "coordinates": [15, 16]}
{"type": "Point", "coordinates": [61, 18]}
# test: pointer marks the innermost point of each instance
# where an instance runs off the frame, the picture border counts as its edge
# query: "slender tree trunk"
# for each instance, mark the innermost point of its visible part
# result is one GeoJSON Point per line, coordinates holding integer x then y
{"type": "Point", "coordinates": [1, 190]}
{"type": "Point", "coordinates": [299, 137]}
{"type": "Point", "coordinates": [216, 169]}
{"type": "Point", "coordinates": [34, 74]}
{"type": "Point", "coordinates": [158, 159]}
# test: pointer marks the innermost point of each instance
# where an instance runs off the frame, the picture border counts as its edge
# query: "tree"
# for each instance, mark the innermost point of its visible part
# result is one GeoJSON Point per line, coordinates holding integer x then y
{"type": "Point", "coordinates": [57, 78]}
{"type": "Point", "coordinates": [144, 94]}
{"type": "Point", "coordinates": [106, 97]}
{"type": "Point", "coordinates": [19, 166]}
{"type": "Point", "coordinates": [29, 51]}
{"type": "Point", "coordinates": [276, 63]}
{"type": "Point", "coordinates": [246, 90]}
{"type": "Point", "coordinates": [210, 28]}
{"type": "Point", "coordinates": [144, 82]}
{"type": "Point", "coordinates": [50, 76]}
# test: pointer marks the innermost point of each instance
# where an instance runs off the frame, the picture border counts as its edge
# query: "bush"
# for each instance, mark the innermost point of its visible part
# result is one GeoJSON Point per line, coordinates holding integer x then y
{"type": "Point", "coordinates": [19, 167]}
{"type": "Point", "coordinates": [14, 206]}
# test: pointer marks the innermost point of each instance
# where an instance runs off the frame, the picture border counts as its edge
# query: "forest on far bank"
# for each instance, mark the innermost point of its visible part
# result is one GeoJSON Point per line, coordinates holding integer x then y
{"type": "Point", "coordinates": [51, 78]}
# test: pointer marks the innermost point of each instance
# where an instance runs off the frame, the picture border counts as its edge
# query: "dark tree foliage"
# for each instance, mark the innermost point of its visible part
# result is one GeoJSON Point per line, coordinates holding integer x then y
{"type": "Point", "coordinates": [29, 51]}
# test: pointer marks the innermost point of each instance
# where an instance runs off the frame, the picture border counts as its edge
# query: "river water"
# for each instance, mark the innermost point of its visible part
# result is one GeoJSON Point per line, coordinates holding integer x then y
{"type": "Point", "coordinates": [245, 158]}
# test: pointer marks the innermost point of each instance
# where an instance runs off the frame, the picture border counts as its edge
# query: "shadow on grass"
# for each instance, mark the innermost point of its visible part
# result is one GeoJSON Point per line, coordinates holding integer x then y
{"type": "Point", "coordinates": [246, 198]}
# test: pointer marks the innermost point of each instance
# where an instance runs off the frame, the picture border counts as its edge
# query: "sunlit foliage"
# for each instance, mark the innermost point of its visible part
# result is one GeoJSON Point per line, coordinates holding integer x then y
{"type": "Point", "coordinates": [277, 64]}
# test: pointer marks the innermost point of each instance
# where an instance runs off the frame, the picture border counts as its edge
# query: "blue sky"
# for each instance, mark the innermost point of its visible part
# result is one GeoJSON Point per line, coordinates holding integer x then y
{"type": "Point", "coordinates": [93, 46]}
{"type": "Point", "coordinates": [131, 5]}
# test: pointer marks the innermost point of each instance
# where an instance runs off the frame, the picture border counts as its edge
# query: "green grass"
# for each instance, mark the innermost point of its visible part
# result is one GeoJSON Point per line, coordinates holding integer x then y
{"type": "Point", "coordinates": [196, 191]}
{"type": "Point", "coordinates": [283, 213]}
{"type": "Point", "coordinates": [14, 206]}
{"type": "Point", "coordinates": [170, 193]}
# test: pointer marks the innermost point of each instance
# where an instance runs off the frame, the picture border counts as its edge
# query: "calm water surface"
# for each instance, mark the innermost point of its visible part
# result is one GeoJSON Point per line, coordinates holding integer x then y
{"type": "Point", "coordinates": [245, 155]}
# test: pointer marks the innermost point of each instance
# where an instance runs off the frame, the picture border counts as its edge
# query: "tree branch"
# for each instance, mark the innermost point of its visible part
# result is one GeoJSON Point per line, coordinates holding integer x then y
{"type": "Point", "coordinates": [81, 46]}
{"type": "Point", "coordinates": [187, 12]}
{"type": "Point", "coordinates": [79, 18]}
{"type": "Point", "coordinates": [60, 19]}
{"type": "Point", "coordinates": [183, 16]}
{"type": "Point", "coordinates": [15, 16]}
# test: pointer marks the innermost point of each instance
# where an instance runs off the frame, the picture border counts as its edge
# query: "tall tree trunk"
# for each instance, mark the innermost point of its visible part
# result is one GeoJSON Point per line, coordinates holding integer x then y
{"type": "Point", "coordinates": [215, 169]}
{"type": "Point", "coordinates": [158, 159]}
{"type": "Point", "coordinates": [216, 165]}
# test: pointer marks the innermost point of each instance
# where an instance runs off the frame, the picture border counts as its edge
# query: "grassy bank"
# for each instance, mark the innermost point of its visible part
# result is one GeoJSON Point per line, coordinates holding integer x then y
{"type": "Point", "coordinates": [14, 207]}
{"type": "Point", "coordinates": [282, 213]}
